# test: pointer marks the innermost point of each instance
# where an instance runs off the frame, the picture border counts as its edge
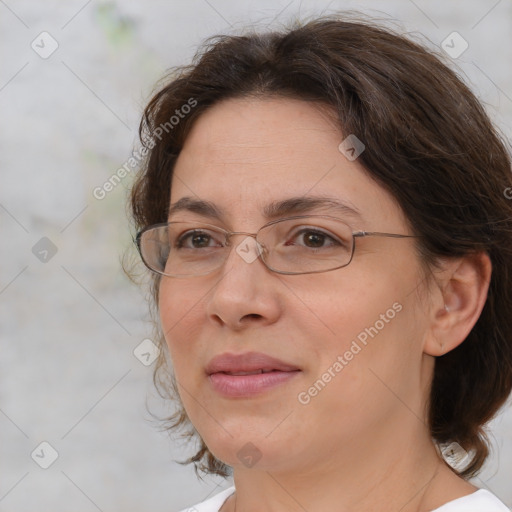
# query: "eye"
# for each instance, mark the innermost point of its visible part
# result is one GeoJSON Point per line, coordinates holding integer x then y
{"type": "Point", "coordinates": [314, 239]}
{"type": "Point", "coordinates": [197, 239]}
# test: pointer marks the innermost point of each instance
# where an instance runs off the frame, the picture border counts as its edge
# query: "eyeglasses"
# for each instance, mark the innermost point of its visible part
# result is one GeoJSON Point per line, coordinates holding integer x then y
{"type": "Point", "coordinates": [294, 245]}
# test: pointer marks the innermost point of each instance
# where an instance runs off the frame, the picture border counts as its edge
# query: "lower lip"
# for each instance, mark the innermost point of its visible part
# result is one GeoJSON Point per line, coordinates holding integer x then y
{"type": "Point", "coordinates": [247, 385]}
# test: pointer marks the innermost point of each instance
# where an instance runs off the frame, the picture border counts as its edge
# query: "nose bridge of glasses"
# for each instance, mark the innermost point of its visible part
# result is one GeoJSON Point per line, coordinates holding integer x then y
{"type": "Point", "coordinates": [255, 247]}
{"type": "Point", "coordinates": [229, 234]}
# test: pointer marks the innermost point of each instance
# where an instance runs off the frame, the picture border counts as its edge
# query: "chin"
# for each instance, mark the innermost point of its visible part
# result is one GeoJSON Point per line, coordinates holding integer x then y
{"type": "Point", "coordinates": [250, 451]}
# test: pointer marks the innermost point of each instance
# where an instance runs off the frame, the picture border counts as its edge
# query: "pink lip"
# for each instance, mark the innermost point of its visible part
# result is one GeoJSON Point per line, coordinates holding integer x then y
{"type": "Point", "coordinates": [247, 385]}
{"type": "Point", "coordinates": [221, 370]}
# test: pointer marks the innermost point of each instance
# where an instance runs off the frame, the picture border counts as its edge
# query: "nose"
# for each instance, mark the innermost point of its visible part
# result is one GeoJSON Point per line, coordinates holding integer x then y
{"type": "Point", "coordinates": [247, 292]}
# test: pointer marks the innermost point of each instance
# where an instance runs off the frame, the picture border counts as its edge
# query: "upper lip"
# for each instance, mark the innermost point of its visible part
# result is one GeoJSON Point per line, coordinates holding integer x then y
{"type": "Point", "coordinates": [247, 362]}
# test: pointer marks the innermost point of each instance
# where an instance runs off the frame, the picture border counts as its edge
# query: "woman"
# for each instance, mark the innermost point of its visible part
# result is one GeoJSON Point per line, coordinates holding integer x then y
{"type": "Point", "coordinates": [324, 211]}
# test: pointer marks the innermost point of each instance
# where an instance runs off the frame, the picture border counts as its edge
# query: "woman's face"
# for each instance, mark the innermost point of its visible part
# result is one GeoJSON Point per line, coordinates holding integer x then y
{"type": "Point", "coordinates": [354, 335]}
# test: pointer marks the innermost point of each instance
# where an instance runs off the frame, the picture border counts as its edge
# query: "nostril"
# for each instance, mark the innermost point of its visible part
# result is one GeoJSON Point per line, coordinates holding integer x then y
{"type": "Point", "coordinates": [252, 315]}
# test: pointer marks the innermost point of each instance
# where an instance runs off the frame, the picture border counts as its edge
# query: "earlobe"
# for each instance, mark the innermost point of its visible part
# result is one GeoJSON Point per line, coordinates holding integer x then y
{"type": "Point", "coordinates": [464, 284]}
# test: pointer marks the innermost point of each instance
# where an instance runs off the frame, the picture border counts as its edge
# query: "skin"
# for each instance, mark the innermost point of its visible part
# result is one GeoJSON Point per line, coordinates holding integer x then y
{"type": "Point", "coordinates": [362, 443]}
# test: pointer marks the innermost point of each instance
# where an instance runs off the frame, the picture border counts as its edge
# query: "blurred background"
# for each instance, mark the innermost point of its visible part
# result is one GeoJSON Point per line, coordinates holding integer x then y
{"type": "Point", "coordinates": [75, 351]}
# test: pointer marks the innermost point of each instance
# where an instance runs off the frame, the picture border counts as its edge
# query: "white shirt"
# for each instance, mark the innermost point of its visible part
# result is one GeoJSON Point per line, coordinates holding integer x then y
{"type": "Point", "coordinates": [479, 501]}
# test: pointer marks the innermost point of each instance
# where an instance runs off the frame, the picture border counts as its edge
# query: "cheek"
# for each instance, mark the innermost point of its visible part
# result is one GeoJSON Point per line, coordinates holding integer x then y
{"type": "Point", "coordinates": [179, 311]}
{"type": "Point", "coordinates": [351, 310]}
{"type": "Point", "coordinates": [367, 325]}
{"type": "Point", "coordinates": [361, 371]}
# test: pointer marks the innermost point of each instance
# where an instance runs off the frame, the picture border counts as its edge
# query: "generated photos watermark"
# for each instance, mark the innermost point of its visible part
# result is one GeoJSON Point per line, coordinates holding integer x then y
{"type": "Point", "coordinates": [357, 345]}
{"type": "Point", "coordinates": [111, 183]}
{"type": "Point", "coordinates": [351, 147]}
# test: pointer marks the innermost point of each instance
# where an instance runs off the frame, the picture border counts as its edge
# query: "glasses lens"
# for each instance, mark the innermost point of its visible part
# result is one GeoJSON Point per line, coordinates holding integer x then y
{"type": "Point", "coordinates": [307, 244]}
{"type": "Point", "coordinates": [183, 249]}
{"type": "Point", "coordinates": [296, 245]}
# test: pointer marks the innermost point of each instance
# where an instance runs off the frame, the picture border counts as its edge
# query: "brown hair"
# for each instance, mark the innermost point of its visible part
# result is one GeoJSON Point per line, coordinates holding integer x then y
{"type": "Point", "coordinates": [428, 142]}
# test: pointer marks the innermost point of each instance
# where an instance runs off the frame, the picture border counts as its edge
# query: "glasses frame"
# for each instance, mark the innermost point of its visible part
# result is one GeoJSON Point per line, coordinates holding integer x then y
{"type": "Point", "coordinates": [228, 234]}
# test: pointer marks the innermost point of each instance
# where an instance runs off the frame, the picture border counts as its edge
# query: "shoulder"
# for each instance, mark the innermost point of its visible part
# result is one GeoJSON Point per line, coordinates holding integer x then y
{"type": "Point", "coordinates": [212, 504]}
{"type": "Point", "coordinates": [479, 501]}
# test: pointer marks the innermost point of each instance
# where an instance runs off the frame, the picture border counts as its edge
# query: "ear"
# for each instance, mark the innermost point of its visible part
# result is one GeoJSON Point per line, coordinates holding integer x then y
{"type": "Point", "coordinates": [463, 283]}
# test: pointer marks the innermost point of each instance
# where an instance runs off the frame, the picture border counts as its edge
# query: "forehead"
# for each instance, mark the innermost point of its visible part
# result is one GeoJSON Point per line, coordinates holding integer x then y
{"type": "Point", "coordinates": [249, 128]}
{"type": "Point", "coordinates": [243, 154]}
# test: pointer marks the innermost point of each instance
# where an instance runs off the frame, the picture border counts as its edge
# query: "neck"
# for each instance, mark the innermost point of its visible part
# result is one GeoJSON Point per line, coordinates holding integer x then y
{"type": "Point", "coordinates": [401, 476]}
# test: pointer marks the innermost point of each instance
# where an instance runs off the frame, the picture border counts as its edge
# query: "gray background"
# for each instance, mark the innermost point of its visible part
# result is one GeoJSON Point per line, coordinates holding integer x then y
{"type": "Point", "coordinates": [70, 321]}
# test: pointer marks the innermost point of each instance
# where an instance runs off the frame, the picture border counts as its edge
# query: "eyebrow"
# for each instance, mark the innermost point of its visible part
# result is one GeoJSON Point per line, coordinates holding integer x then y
{"type": "Point", "coordinates": [271, 211]}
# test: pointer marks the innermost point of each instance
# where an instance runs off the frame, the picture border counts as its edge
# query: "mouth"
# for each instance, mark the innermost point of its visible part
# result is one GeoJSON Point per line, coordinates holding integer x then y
{"type": "Point", "coordinates": [247, 363]}
{"type": "Point", "coordinates": [255, 372]}
{"type": "Point", "coordinates": [248, 374]}
{"type": "Point", "coordinates": [249, 384]}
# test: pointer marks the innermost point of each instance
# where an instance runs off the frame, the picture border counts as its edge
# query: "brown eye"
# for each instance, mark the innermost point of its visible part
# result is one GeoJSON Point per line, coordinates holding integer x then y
{"type": "Point", "coordinates": [313, 239]}
{"type": "Point", "coordinates": [196, 239]}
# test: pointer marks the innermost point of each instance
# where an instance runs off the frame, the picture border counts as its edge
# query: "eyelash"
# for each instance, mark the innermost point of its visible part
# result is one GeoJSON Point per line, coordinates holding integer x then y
{"type": "Point", "coordinates": [181, 240]}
